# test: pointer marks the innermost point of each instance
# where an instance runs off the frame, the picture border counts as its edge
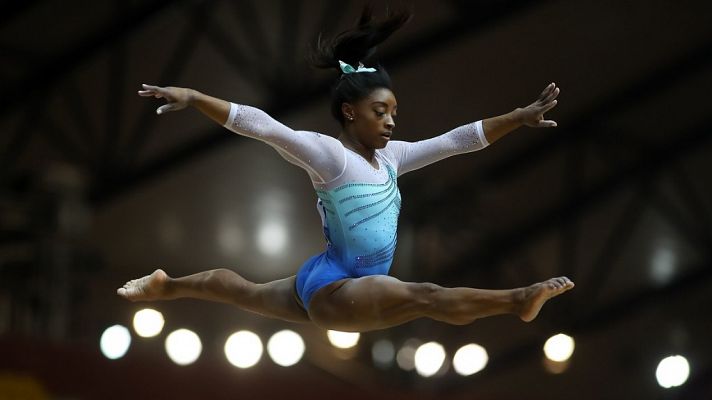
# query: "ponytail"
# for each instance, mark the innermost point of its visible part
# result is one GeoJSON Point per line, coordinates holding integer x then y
{"type": "Point", "coordinates": [353, 47]}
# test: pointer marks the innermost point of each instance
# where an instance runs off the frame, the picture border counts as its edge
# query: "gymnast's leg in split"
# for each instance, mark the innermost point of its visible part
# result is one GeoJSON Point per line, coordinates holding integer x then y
{"type": "Point", "coordinates": [353, 304]}
{"type": "Point", "coordinates": [274, 299]}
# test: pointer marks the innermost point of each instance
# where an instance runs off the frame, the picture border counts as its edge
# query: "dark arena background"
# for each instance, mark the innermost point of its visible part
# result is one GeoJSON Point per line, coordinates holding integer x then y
{"type": "Point", "coordinates": [96, 189]}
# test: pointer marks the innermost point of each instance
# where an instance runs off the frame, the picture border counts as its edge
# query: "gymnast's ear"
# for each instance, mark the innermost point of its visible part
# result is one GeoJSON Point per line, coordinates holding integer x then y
{"type": "Point", "coordinates": [348, 111]}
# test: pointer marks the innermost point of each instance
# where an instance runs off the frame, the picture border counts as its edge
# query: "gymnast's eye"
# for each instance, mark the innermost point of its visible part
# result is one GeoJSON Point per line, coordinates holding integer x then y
{"type": "Point", "coordinates": [378, 113]}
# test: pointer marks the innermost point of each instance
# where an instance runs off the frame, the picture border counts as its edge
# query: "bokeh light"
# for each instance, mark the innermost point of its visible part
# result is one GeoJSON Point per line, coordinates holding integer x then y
{"type": "Point", "coordinates": [272, 237]}
{"type": "Point", "coordinates": [383, 353]}
{"type": "Point", "coordinates": [148, 322]}
{"type": "Point", "coordinates": [285, 348]}
{"type": "Point", "coordinates": [405, 357]}
{"type": "Point", "coordinates": [343, 340]}
{"type": "Point", "coordinates": [183, 346]}
{"type": "Point", "coordinates": [672, 371]}
{"type": "Point", "coordinates": [115, 342]}
{"type": "Point", "coordinates": [243, 349]}
{"type": "Point", "coordinates": [559, 347]}
{"type": "Point", "coordinates": [470, 359]}
{"type": "Point", "coordinates": [429, 358]}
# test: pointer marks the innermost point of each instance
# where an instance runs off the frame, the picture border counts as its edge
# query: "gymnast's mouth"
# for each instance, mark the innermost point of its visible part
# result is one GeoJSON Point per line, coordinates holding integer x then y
{"type": "Point", "coordinates": [387, 134]}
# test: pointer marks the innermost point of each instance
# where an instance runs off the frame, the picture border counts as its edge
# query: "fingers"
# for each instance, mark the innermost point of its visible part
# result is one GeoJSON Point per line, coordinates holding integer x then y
{"type": "Point", "coordinates": [549, 101]}
{"type": "Point", "coordinates": [549, 93]}
{"type": "Point", "coordinates": [175, 103]}
{"type": "Point", "coordinates": [151, 91]}
{"type": "Point", "coordinates": [547, 90]}
{"type": "Point", "coordinates": [166, 108]}
{"type": "Point", "coordinates": [549, 106]}
{"type": "Point", "coordinates": [553, 95]}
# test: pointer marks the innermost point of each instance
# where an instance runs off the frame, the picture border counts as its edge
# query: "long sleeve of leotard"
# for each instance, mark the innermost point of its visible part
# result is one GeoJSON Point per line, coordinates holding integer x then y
{"type": "Point", "coordinates": [410, 156]}
{"type": "Point", "coordinates": [321, 156]}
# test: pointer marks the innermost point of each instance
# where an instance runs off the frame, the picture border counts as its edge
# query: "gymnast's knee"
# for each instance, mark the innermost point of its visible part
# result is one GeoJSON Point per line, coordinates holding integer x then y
{"type": "Point", "coordinates": [325, 316]}
{"type": "Point", "coordinates": [425, 294]}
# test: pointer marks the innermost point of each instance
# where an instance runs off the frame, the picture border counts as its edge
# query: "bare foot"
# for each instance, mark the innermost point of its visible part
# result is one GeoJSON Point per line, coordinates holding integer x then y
{"type": "Point", "coordinates": [534, 296]}
{"type": "Point", "coordinates": [150, 287]}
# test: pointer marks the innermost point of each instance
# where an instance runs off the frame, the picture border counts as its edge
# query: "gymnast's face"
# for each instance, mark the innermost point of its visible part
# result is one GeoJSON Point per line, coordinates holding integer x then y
{"type": "Point", "coordinates": [371, 120]}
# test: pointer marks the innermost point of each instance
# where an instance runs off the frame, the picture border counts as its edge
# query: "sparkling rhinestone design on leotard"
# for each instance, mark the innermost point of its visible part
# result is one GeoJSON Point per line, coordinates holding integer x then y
{"type": "Point", "coordinates": [390, 194]}
{"type": "Point", "coordinates": [362, 219]}
{"type": "Point", "coordinates": [380, 256]}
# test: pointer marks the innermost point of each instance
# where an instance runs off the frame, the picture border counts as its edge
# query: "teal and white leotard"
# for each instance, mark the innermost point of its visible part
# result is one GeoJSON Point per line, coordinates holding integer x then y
{"type": "Point", "coordinates": [358, 203]}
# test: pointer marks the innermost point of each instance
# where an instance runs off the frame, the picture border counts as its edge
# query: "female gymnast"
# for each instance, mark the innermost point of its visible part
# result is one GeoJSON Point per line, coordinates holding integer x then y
{"type": "Point", "coordinates": [347, 287]}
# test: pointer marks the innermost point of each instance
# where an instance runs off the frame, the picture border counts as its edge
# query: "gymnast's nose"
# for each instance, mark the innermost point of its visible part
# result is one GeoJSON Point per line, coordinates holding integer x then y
{"type": "Point", "coordinates": [390, 124]}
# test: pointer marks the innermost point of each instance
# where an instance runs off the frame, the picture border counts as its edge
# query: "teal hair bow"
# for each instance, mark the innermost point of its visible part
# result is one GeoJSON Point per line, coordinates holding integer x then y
{"type": "Point", "coordinates": [348, 69]}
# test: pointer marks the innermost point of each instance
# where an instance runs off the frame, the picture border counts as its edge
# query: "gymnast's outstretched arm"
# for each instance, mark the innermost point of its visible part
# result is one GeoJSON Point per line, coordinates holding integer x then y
{"type": "Point", "coordinates": [320, 155]}
{"type": "Point", "coordinates": [473, 136]}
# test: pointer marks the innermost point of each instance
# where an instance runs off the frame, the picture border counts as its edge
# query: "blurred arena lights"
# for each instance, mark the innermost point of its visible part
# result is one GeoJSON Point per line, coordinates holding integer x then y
{"type": "Point", "coordinates": [343, 340]}
{"type": "Point", "coordinates": [243, 349]}
{"type": "Point", "coordinates": [429, 358]}
{"type": "Point", "coordinates": [285, 348]}
{"type": "Point", "coordinates": [664, 264]}
{"type": "Point", "coordinates": [405, 358]}
{"type": "Point", "coordinates": [183, 346]}
{"type": "Point", "coordinates": [470, 359]}
{"type": "Point", "coordinates": [672, 371]}
{"type": "Point", "coordinates": [383, 353]}
{"type": "Point", "coordinates": [148, 322]}
{"type": "Point", "coordinates": [230, 237]}
{"type": "Point", "coordinates": [555, 367]}
{"type": "Point", "coordinates": [115, 342]}
{"type": "Point", "coordinates": [559, 347]}
{"type": "Point", "coordinates": [272, 237]}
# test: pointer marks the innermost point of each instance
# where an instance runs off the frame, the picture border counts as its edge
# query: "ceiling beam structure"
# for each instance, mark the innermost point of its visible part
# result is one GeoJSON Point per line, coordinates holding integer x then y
{"type": "Point", "coordinates": [697, 60]}
{"type": "Point", "coordinates": [585, 126]}
{"type": "Point", "coordinates": [46, 75]}
{"type": "Point", "coordinates": [13, 10]}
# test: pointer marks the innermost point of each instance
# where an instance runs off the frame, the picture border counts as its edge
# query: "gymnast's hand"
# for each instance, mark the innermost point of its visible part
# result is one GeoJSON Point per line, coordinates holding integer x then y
{"type": "Point", "coordinates": [533, 114]}
{"type": "Point", "coordinates": [177, 98]}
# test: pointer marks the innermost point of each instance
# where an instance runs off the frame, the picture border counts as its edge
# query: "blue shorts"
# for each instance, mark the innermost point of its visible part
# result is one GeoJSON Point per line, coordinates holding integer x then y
{"type": "Point", "coordinates": [316, 273]}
